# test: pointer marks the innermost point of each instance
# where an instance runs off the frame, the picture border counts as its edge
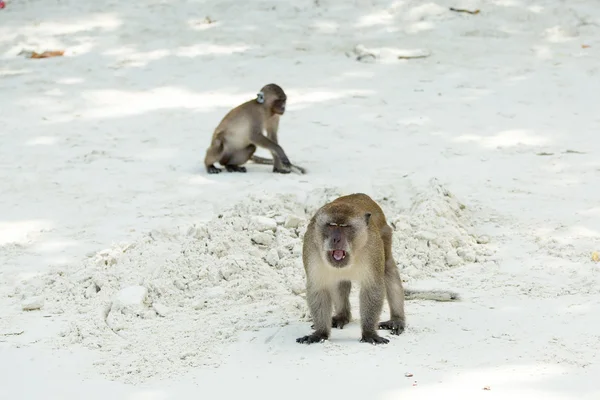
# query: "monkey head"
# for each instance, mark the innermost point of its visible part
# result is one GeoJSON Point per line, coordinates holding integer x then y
{"type": "Point", "coordinates": [273, 98]}
{"type": "Point", "coordinates": [342, 233]}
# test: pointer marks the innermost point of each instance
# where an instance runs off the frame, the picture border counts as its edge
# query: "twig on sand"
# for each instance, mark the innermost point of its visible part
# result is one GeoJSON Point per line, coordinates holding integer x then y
{"type": "Point", "coordinates": [415, 56]}
{"type": "Point", "coordinates": [462, 10]}
{"type": "Point", "coordinates": [17, 333]}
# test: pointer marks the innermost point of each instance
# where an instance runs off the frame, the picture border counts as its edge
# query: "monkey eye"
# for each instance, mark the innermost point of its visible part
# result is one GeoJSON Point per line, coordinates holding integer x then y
{"type": "Point", "coordinates": [340, 225]}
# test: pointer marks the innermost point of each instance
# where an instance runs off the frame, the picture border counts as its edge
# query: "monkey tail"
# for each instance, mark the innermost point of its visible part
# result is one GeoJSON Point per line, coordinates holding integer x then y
{"type": "Point", "coordinates": [262, 160]}
{"type": "Point", "coordinates": [269, 161]}
{"type": "Point", "coordinates": [434, 295]}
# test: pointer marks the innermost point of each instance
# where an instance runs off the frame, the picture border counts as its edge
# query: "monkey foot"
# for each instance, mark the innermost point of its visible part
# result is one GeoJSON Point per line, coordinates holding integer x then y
{"type": "Point", "coordinates": [312, 338]}
{"type": "Point", "coordinates": [373, 338]}
{"type": "Point", "coordinates": [395, 327]}
{"type": "Point", "coordinates": [213, 170]}
{"type": "Point", "coordinates": [235, 168]}
{"type": "Point", "coordinates": [339, 321]}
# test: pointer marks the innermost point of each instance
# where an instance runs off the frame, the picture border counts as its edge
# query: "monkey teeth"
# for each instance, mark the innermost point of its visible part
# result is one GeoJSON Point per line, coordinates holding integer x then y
{"type": "Point", "coordinates": [338, 255]}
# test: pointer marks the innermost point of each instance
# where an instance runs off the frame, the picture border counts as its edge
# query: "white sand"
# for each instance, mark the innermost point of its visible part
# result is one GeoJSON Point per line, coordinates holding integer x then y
{"type": "Point", "coordinates": [103, 148]}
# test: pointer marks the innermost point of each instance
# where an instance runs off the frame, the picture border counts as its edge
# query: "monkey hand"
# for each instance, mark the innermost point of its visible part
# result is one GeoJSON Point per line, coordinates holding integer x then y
{"type": "Point", "coordinates": [395, 326]}
{"type": "Point", "coordinates": [373, 338]}
{"type": "Point", "coordinates": [312, 338]}
{"type": "Point", "coordinates": [213, 170]}
{"type": "Point", "coordinates": [283, 169]}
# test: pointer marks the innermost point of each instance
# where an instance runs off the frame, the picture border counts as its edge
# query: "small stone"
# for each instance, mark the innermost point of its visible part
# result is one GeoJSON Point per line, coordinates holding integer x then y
{"type": "Point", "coordinates": [453, 259]}
{"type": "Point", "coordinates": [91, 291]}
{"type": "Point", "coordinates": [149, 314]}
{"type": "Point", "coordinates": [200, 304]}
{"type": "Point", "coordinates": [32, 303]}
{"type": "Point", "coordinates": [483, 239]}
{"type": "Point", "coordinates": [131, 298]}
{"type": "Point", "coordinates": [466, 255]}
{"type": "Point", "coordinates": [262, 238]}
{"type": "Point", "coordinates": [298, 288]}
{"type": "Point", "coordinates": [272, 257]}
{"type": "Point", "coordinates": [160, 309]}
{"type": "Point", "coordinates": [425, 235]}
{"type": "Point", "coordinates": [263, 224]}
{"type": "Point", "coordinates": [292, 221]}
{"type": "Point", "coordinates": [179, 285]}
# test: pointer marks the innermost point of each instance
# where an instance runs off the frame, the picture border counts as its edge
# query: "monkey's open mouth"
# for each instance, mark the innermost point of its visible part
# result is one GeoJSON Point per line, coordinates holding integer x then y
{"type": "Point", "coordinates": [338, 255]}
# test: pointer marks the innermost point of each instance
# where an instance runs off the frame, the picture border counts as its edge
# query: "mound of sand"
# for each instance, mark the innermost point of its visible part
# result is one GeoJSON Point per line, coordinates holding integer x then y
{"type": "Point", "coordinates": [173, 299]}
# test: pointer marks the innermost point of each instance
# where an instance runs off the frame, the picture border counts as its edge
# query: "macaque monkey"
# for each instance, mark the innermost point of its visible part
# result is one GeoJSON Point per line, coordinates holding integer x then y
{"type": "Point", "coordinates": [349, 240]}
{"type": "Point", "coordinates": [250, 125]}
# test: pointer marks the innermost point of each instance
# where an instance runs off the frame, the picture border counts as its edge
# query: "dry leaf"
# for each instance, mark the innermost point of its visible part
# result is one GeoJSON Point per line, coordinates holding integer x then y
{"type": "Point", "coordinates": [487, 388]}
{"type": "Point", "coordinates": [595, 256]}
{"type": "Point", "coordinates": [408, 374]}
{"type": "Point", "coordinates": [585, 46]}
{"type": "Point", "coordinates": [47, 54]}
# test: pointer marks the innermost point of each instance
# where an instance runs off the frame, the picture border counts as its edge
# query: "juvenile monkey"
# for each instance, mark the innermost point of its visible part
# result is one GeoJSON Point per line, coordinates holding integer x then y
{"type": "Point", "coordinates": [349, 240]}
{"type": "Point", "coordinates": [250, 125]}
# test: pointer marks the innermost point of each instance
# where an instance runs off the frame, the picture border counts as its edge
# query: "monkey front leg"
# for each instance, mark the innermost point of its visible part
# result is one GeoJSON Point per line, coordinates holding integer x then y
{"type": "Point", "coordinates": [371, 304]}
{"type": "Point", "coordinates": [319, 303]}
{"type": "Point", "coordinates": [281, 162]}
{"type": "Point", "coordinates": [272, 135]}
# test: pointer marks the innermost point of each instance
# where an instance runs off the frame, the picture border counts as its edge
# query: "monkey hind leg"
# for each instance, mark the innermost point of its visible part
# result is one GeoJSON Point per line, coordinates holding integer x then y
{"type": "Point", "coordinates": [393, 288]}
{"type": "Point", "coordinates": [395, 297]}
{"type": "Point", "coordinates": [341, 302]}
{"type": "Point", "coordinates": [320, 306]}
{"type": "Point", "coordinates": [233, 161]}
{"type": "Point", "coordinates": [213, 154]}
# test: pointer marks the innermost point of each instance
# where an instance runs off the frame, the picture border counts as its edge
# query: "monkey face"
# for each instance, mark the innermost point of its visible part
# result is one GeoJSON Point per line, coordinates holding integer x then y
{"type": "Point", "coordinates": [342, 234]}
{"type": "Point", "coordinates": [336, 243]}
{"type": "Point", "coordinates": [275, 98]}
{"type": "Point", "coordinates": [278, 106]}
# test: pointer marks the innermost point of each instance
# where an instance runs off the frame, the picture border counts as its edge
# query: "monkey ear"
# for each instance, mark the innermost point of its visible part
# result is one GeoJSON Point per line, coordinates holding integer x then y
{"type": "Point", "coordinates": [260, 97]}
{"type": "Point", "coordinates": [367, 218]}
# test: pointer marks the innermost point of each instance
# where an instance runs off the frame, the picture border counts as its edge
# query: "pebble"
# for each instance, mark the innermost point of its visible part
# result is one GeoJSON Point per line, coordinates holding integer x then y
{"type": "Point", "coordinates": [160, 309]}
{"type": "Point", "coordinates": [262, 238]}
{"type": "Point", "coordinates": [292, 221]}
{"type": "Point", "coordinates": [425, 235]}
{"type": "Point", "coordinates": [131, 297]}
{"type": "Point", "coordinates": [263, 224]}
{"type": "Point", "coordinates": [453, 259]}
{"type": "Point", "coordinates": [483, 239]}
{"type": "Point", "coordinates": [32, 303]}
{"type": "Point", "coordinates": [272, 257]}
